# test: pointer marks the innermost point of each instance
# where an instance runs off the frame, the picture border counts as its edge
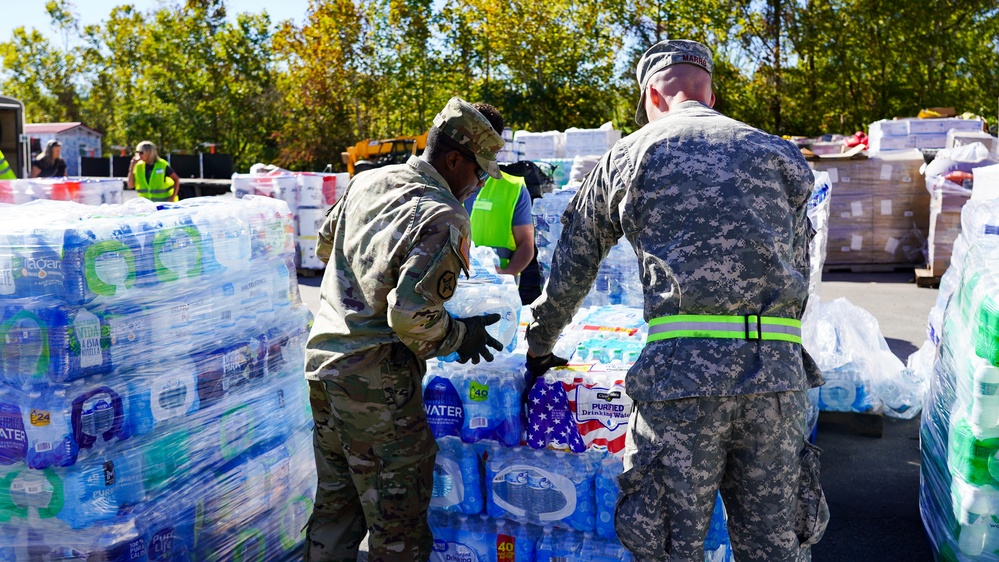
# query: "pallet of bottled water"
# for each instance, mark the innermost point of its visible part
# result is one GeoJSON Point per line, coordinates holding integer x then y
{"type": "Point", "coordinates": [88, 191]}
{"type": "Point", "coordinates": [959, 433]}
{"type": "Point", "coordinates": [529, 473]}
{"type": "Point", "coordinates": [151, 399]}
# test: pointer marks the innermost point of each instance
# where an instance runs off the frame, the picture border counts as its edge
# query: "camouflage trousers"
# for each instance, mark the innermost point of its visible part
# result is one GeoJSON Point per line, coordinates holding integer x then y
{"type": "Point", "coordinates": [679, 453]}
{"type": "Point", "coordinates": [375, 460]}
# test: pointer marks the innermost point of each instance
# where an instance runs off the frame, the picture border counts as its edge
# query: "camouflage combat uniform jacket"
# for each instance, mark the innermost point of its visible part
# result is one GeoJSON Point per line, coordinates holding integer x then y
{"type": "Point", "coordinates": [395, 244]}
{"type": "Point", "coordinates": [716, 211]}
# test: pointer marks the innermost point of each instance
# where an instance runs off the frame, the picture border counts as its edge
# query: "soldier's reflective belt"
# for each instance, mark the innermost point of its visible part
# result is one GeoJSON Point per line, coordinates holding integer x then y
{"type": "Point", "coordinates": [749, 327]}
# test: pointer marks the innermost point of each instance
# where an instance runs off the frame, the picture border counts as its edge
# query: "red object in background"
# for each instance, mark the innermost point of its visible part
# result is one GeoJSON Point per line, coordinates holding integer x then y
{"type": "Point", "coordinates": [66, 191]}
{"type": "Point", "coordinates": [329, 189]}
{"type": "Point", "coordinates": [958, 177]}
{"type": "Point", "coordinates": [6, 191]}
{"type": "Point", "coordinates": [856, 139]}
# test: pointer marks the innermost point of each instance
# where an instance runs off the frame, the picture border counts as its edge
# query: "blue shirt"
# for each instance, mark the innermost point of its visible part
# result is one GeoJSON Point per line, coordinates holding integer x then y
{"type": "Point", "coordinates": [521, 215]}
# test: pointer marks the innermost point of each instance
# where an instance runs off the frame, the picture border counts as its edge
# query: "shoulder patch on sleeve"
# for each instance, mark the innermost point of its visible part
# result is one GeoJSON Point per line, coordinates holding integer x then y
{"type": "Point", "coordinates": [446, 285]}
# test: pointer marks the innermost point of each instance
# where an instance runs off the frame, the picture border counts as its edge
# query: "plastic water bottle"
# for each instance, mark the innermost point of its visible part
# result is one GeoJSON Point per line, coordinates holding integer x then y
{"type": "Point", "coordinates": [104, 260]}
{"type": "Point", "coordinates": [49, 430]}
{"type": "Point", "coordinates": [539, 487]}
{"type": "Point", "coordinates": [467, 544]}
{"type": "Point", "coordinates": [176, 248]}
{"type": "Point", "coordinates": [607, 492]}
{"type": "Point", "coordinates": [588, 550]}
{"type": "Point", "coordinates": [167, 460]}
{"type": "Point", "coordinates": [977, 516]}
{"type": "Point", "coordinates": [13, 437]}
{"type": "Point", "coordinates": [969, 456]}
{"type": "Point", "coordinates": [443, 406]}
{"type": "Point", "coordinates": [225, 239]}
{"type": "Point", "coordinates": [457, 483]}
{"type": "Point", "coordinates": [130, 332]}
{"type": "Point", "coordinates": [581, 471]}
{"type": "Point", "coordinates": [223, 369]}
{"type": "Point", "coordinates": [158, 395]}
{"type": "Point", "coordinates": [166, 527]}
{"type": "Point", "coordinates": [547, 547]}
{"type": "Point", "coordinates": [985, 397]}
{"type": "Point", "coordinates": [94, 489]}
{"type": "Point", "coordinates": [480, 414]}
{"type": "Point", "coordinates": [31, 265]}
{"type": "Point", "coordinates": [28, 335]}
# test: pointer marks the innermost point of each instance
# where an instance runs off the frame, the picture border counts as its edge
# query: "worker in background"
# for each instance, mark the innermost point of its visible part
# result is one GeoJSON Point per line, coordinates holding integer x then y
{"type": "Point", "coordinates": [49, 163]}
{"type": "Point", "coordinates": [716, 211]}
{"type": "Point", "coordinates": [151, 176]}
{"type": "Point", "coordinates": [500, 215]}
{"type": "Point", "coordinates": [395, 244]}
{"type": "Point", "coordinates": [6, 170]}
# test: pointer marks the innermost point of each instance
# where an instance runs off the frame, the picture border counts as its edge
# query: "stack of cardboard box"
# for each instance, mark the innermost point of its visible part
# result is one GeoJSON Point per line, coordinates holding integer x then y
{"type": "Point", "coordinates": [879, 209]}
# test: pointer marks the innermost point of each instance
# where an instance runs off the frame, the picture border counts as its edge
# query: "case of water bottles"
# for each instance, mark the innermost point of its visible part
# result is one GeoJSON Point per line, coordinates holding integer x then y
{"type": "Point", "coordinates": [151, 399]}
{"type": "Point", "coordinates": [959, 433]}
{"type": "Point", "coordinates": [88, 191]}
{"type": "Point", "coordinates": [308, 196]}
{"type": "Point", "coordinates": [535, 482]}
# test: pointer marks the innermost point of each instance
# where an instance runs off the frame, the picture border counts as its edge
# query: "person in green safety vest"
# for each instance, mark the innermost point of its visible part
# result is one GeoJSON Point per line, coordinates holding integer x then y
{"type": "Point", "coordinates": [151, 176]}
{"type": "Point", "coordinates": [500, 214]}
{"type": "Point", "coordinates": [6, 170]}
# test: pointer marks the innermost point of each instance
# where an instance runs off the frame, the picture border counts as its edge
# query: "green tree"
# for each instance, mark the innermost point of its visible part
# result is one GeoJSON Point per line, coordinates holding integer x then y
{"type": "Point", "coordinates": [41, 75]}
{"type": "Point", "coordinates": [325, 88]}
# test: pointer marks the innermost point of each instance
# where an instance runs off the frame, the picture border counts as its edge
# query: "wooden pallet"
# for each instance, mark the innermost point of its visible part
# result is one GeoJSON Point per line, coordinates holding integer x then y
{"type": "Point", "coordinates": [868, 424]}
{"type": "Point", "coordinates": [867, 268]}
{"type": "Point", "coordinates": [925, 278]}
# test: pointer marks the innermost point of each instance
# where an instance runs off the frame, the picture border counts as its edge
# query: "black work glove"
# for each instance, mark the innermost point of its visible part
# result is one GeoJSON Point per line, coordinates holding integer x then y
{"type": "Point", "coordinates": [477, 341]}
{"type": "Point", "coordinates": [538, 366]}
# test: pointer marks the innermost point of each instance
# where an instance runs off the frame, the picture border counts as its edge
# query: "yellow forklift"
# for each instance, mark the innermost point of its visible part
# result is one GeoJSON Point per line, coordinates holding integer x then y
{"type": "Point", "coordinates": [369, 154]}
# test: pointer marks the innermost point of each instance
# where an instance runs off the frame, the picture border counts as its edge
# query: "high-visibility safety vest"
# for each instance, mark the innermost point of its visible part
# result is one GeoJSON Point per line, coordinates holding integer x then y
{"type": "Point", "coordinates": [492, 213]}
{"type": "Point", "coordinates": [159, 187]}
{"type": "Point", "coordinates": [6, 171]}
{"type": "Point", "coordinates": [748, 327]}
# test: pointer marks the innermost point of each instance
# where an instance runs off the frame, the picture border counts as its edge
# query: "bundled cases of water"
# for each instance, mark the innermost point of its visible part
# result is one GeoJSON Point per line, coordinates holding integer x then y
{"type": "Point", "coordinates": [151, 399]}
{"type": "Point", "coordinates": [308, 196]}
{"type": "Point", "coordinates": [89, 191]}
{"type": "Point", "coordinates": [530, 473]}
{"type": "Point", "coordinates": [959, 492]}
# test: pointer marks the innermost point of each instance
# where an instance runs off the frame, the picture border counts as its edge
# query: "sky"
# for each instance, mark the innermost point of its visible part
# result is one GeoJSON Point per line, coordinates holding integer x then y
{"type": "Point", "coordinates": [31, 13]}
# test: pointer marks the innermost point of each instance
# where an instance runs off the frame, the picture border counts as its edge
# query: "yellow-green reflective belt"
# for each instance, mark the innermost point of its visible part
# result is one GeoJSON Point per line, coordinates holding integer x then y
{"type": "Point", "coordinates": [749, 327]}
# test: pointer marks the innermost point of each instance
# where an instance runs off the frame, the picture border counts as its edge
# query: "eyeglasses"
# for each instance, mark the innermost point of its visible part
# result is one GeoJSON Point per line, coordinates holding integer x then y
{"type": "Point", "coordinates": [481, 174]}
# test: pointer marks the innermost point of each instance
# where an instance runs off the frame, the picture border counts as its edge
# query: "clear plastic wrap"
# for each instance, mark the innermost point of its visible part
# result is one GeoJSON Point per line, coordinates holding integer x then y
{"type": "Point", "coordinates": [152, 405]}
{"type": "Point", "coordinates": [861, 372]}
{"type": "Point", "coordinates": [88, 191]}
{"type": "Point", "coordinates": [960, 427]}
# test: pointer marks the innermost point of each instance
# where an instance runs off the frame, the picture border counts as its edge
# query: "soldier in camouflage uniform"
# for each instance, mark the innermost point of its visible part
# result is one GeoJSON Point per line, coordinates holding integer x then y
{"type": "Point", "coordinates": [716, 211]}
{"type": "Point", "coordinates": [395, 244]}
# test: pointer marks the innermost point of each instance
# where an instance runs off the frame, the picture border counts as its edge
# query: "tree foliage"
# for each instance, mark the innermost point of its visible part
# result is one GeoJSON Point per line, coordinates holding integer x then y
{"type": "Point", "coordinates": [189, 73]}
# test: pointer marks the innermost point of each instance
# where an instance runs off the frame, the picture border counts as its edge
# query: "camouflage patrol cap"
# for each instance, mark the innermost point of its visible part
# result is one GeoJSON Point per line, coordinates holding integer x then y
{"type": "Point", "coordinates": [663, 55]}
{"type": "Point", "coordinates": [463, 124]}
